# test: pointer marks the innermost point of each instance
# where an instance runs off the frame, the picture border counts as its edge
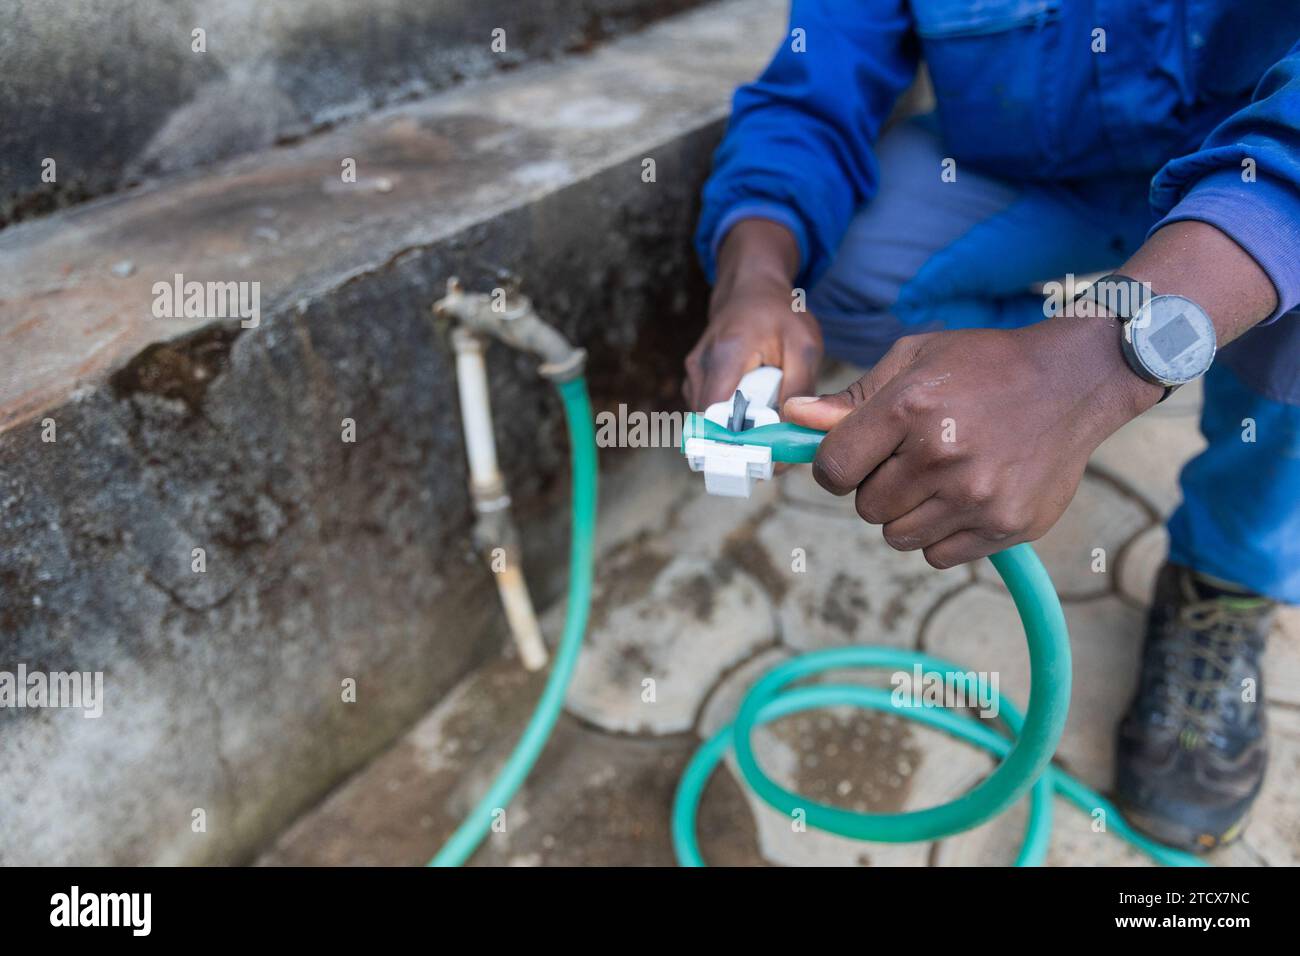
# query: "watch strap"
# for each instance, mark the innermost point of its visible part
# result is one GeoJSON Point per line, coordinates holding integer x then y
{"type": "Point", "coordinates": [1120, 295]}
{"type": "Point", "coordinates": [1123, 297]}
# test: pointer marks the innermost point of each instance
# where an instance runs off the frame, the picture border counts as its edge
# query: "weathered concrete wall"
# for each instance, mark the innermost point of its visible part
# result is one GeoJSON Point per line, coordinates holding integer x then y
{"type": "Point", "coordinates": [113, 90]}
{"type": "Point", "coordinates": [325, 560]}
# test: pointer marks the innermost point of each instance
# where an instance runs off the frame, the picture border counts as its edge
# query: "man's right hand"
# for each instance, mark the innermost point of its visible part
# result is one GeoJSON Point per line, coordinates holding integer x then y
{"type": "Point", "coordinates": [752, 319]}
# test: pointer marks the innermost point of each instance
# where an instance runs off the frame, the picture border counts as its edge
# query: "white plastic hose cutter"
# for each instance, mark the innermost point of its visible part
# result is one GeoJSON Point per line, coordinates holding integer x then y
{"type": "Point", "coordinates": [731, 470]}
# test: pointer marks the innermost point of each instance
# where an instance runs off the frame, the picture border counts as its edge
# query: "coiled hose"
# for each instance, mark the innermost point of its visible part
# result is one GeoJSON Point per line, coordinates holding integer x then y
{"type": "Point", "coordinates": [1026, 754]}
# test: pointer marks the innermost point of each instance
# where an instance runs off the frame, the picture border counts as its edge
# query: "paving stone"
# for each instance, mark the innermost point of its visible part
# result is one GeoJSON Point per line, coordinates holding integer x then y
{"type": "Point", "coordinates": [1147, 454]}
{"type": "Point", "coordinates": [1238, 853]}
{"type": "Point", "coordinates": [403, 806]}
{"type": "Point", "coordinates": [793, 747]}
{"type": "Point", "coordinates": [592, 799]}
{"type": "Point", "coordinates": [1100, 516]}
{"type": "Point", "coordinates": [1282, 662]}
{"type": "Point", "coordinates": [798, 488]}
{"type": "Point", "coordinates": [1074, 842]}
{"type": "Point", "coordinates": [855, 589]}
{"type": "Point", "coordinates": [992, 844]}
{"type": "Point", "coordinates": [639, 490]}
{"type": "Point", "coordinates": [711, 525]}
{"type": "Point", "coordinates": [725, 698]}
{"type": "Point", "coordinates": [1274, 828]}
{"type": "Point", "coordinates": [809, 755]}
{"type": "Point", "coordinates": [979, 629]}
{"type": "Point", "coordinates": [1106, 642]}
{"type": "Point", "coordinates": [597, 800]}
{"type": "Point", "coordinates": [680, 622]}
{"type": "Point", "coordinates": [867, 761]}
{"type": "Point", "coordinates": [782, 843]}
{"type": "Point", "coordinates": [1140, 562]}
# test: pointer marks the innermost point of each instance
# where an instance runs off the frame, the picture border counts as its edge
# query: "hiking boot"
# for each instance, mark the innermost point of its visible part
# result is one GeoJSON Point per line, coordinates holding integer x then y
{"type": "Point", "coordinates": [1192, 747]}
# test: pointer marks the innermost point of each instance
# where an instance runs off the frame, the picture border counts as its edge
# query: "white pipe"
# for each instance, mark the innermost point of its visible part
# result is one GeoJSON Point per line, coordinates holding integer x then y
{"type": "Point", "coordinates": [476, 412]}
{"type": "Point", "coordinates": [489, 492]}
{"type": "Point", "coordinates": [519, 612]}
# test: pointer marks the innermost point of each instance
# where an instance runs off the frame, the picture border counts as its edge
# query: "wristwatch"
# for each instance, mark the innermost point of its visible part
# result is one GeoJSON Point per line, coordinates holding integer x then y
{"type": "Point", "coordinates": [1167, 340]}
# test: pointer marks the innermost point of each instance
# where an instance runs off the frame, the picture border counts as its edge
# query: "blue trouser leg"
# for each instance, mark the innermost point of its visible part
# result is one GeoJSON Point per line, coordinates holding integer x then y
{"type": "Point", "coordinates": [1240, 515]}
{"type": "Point", "coordinates": [929, 255]}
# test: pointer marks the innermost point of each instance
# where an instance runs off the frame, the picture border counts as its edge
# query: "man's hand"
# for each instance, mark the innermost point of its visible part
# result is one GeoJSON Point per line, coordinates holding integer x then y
{"type": "Point", "coordinates": [752, 320]}
{"type": "Point", "coordinates": [964, 443]}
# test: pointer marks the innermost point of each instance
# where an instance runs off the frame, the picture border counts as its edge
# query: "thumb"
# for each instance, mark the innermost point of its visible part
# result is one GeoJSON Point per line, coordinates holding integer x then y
{"type": "Point", "coordinates": [824, 412]}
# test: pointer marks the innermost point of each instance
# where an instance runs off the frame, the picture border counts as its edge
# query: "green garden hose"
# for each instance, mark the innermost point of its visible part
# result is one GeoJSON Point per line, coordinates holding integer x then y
{"type": "Point", "coordinates": [582, 536]}
{"type": "Point", "coordinates": [1026, 754]}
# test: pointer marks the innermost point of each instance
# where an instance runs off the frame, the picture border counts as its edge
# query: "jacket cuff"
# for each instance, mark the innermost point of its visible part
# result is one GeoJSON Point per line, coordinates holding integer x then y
{"type": "Point", "coordinates": [1263, 217]}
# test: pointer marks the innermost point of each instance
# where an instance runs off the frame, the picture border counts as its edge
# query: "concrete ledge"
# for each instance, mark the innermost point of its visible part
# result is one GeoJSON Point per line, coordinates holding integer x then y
{"type": "Point", "coordinates": [325, 560]}
{"type": "Point", "coordinates": [113, 90]}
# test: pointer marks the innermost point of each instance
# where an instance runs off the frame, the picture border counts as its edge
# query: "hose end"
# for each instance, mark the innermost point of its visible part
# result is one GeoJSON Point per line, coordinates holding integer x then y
{"type": "Point", "coordinates": [691, 428]}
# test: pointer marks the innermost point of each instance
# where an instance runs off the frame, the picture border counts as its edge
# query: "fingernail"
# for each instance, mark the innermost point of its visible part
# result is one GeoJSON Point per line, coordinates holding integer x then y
{"type": "Point", "coordinates": [802, 400]}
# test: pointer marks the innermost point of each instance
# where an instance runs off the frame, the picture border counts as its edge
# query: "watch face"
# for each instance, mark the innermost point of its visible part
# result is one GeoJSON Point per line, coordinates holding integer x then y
{"type": "Point", "coordinates": [1172, 339]}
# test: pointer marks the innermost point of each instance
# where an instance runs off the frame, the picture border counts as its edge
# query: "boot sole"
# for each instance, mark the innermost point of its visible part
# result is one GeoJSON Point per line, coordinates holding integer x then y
{"type": "Point", "coordinates": [1179, 836]}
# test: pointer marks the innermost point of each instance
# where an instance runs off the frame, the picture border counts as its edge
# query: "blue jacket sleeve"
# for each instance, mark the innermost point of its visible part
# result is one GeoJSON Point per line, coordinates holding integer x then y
{"type": "Point", "coordinates": [1257, 203]}
{"type": "Point", "coordinates": [798, 149]}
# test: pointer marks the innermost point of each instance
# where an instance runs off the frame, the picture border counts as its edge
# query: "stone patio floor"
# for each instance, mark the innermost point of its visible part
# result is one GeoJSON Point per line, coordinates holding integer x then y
{"type": "Point", "coordinates": [700, 595]}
